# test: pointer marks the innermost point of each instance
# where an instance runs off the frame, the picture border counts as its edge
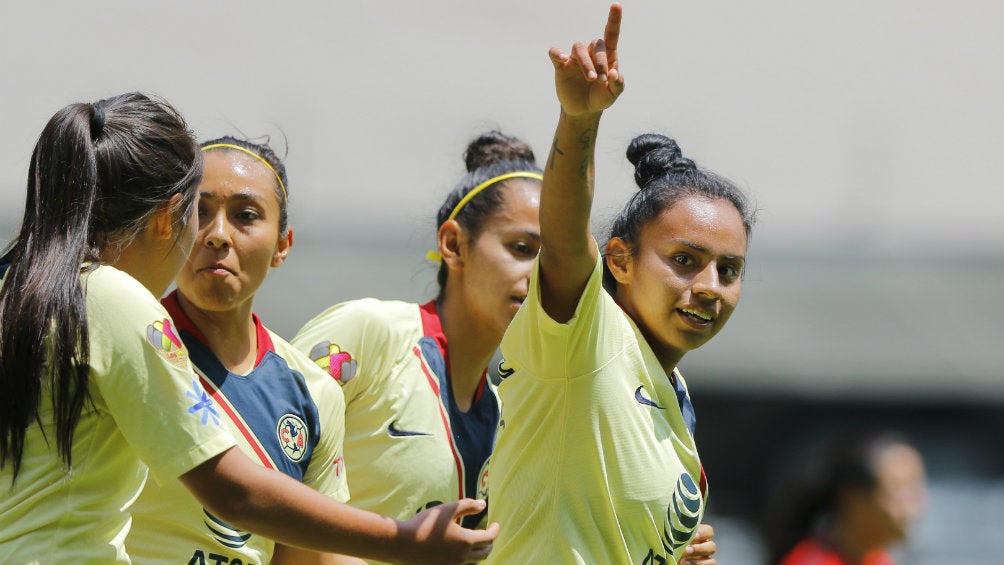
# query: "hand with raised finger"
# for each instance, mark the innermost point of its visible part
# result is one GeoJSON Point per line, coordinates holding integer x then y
{"type": "Point", "coordinates": [440, 539]}
{"type": "Point", "coordinates": [588, 79]}
{"type": "Point", "coordinates": [701, 550]}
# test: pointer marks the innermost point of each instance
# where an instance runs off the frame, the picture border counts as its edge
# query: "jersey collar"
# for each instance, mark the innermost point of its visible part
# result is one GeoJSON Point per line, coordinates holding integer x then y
{"type": "Point", "coordinates": [183, 322]}
{"type": "Point", "coordinates": [432, 326]}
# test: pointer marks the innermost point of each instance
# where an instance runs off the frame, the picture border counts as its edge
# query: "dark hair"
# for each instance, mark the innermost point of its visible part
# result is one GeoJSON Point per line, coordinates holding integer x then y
{"type": "Point", "coordinates": [664, 177]}
{"type": "Point", "coordinates": [264, 151]}
{"type": "Point", "coordinates": [487, 156]}
{"type": "Point", "coordinates": [97, 174]}
{"type": "Point", "coordinates": [810, 493]}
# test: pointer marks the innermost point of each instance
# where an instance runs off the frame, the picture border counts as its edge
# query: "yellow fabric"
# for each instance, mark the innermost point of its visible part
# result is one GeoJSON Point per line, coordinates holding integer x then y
{"type": "Point", "coordinates": [141, 388]}
{"type": "Point", "coordinates": [170, 526]}
{"type": "Point", "coordinates": [385, 383]}
{"type": "Point", "coordinates": [583, 472]}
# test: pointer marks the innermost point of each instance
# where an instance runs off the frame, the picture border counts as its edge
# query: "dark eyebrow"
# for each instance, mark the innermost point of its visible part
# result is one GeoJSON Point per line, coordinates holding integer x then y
{"type": "Point", "coordinates": [244, 195]}
{"type": "Point", "coordinates": [702, 249]}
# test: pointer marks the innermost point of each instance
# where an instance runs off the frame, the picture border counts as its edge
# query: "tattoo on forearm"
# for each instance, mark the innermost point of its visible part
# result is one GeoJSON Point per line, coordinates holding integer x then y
{"type": "Point", "coordinates": [587, 140]}
{"type": "Point", "coordinates": [554, 152]}
{"type": "Point", "coordinates": [584, 169]}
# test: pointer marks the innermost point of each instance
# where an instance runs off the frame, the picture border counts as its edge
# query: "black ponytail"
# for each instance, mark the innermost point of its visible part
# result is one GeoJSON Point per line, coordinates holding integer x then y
{"type": "Point", "coordinates": [97, 174]}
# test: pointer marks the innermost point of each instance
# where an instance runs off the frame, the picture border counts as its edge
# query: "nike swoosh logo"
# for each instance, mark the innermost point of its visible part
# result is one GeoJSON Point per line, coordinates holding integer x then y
{"type": "Point", "coordinates": [645, 401]}
{"type": "Point", "coordinates": [505, 372]}
{"type": "Point", "coordinates": [393, 431]}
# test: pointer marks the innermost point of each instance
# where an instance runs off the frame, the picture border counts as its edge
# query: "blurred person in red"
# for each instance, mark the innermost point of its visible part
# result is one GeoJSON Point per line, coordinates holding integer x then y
{"type": "Point", "coordinates": [848, 504]}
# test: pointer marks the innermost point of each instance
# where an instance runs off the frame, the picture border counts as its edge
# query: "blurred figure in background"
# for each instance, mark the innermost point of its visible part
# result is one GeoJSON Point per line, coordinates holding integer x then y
{"type": "Point", "coordinates": [848, 504]}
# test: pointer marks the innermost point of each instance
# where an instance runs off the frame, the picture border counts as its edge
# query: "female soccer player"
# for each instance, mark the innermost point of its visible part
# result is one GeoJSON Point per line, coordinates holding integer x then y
{"type": "Point", "coordinates": [848, 504]}
{"type": "Point", "coordinates": [421, 414]}
{"type": "Point", "coordinates": [95, 381]}
{"type": "Point", "coordinates": [595, 460]}
{"type": "Point", "coordinates": [285, 412]}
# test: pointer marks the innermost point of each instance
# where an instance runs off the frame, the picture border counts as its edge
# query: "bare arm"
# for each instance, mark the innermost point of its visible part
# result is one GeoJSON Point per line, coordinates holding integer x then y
{"type": "Point", "coordinates": [278, 507]}
{"type": "Point", "coordinates": [587, 81]}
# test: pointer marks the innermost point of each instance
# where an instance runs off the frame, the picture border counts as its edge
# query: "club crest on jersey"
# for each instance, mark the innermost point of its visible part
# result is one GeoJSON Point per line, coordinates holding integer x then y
{"type": "Point", "coordinates": [292, 434]}
{"type": "Point", "coordinates": [339, 364]}
{"type": "Point", "coordinates": [483, 480]}
{"type": "Point", "coordinates": [683, 514]}
{"type": "Point", "coordinates": [163, 338]}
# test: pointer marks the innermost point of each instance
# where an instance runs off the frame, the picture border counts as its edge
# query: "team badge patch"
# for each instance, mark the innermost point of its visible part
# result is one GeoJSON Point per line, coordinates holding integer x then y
{"type": "Point", "coordinates": [162, 337]}
{"type": "Point", "coordinates": [339, 364]}
{"type": "Point", "coordinates": [483, 480]}
{"type": "Point", "coordinates": [292, 437]}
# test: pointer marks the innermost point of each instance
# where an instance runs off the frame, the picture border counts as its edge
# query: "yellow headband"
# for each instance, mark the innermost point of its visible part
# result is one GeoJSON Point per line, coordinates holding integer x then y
{"type": "Point", "coordinates": [285, 197]}
{"type": "Point", "coordinates": [434, 255]}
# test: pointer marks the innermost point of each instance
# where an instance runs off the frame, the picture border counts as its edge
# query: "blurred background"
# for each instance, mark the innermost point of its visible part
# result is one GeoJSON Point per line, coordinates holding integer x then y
{"type": "Point", "coordinates": [870, 134]}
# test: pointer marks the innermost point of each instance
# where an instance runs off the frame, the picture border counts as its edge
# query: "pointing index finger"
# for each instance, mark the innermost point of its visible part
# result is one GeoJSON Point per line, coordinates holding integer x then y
{"type": "Point", "coordinates": [612, 33]}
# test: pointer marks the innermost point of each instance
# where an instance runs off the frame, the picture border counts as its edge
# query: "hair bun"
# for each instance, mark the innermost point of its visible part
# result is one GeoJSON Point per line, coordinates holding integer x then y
{"type": "Point", "coordinates": [494, 147]}
{"type": "Point", "coordinates": [654, 155]}
{"type": "Point", "coordinates": [97, 119]}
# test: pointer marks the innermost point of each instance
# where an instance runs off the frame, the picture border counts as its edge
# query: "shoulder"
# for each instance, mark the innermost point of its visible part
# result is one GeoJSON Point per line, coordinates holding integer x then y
{"type": "Point", "coordinates": [366, 336]}
{"type": "Point", "coordinates": [118, 304]}
{"type": "Point", "coordinates": [314, 375]}
{"type": "Point", "coordinates": [365, 319]}
{"type": "Point", "coordinates": [362, 311]}
{"type": "Point", "coordinates": [106, 283]}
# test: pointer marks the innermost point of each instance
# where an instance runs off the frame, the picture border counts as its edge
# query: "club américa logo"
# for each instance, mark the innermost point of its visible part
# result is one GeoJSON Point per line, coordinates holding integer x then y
{"type": "Point", "coordinates": [163, 338]}
{"type": "Point", "coordinates": [483, 480]}
{"type": "Point", "coordinates": [339, 364]}
{"type": "Point", "coordinates": [292, 434]}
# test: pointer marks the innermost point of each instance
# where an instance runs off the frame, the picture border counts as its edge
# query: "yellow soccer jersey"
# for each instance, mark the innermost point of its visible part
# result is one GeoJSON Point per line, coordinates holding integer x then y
{"type": "Point", "coordinates": [594, 462]}
{"type": "Point", "coordinates": [147, 408]}
{"type": "Point", "coordinates": [287, 414]}
{"type": "Point", "coordinates": [407, 446]}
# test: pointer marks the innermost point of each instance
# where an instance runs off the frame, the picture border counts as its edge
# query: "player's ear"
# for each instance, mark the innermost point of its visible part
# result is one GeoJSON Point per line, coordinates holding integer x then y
{"type": "Point", "coordinates": [450, 239]}
{"type": "Point", "coordinates": [618, 257]}
{"type": "Point", "coordinates": [283, 245]}
{"type": "Point", "coordinates": [161, 225]}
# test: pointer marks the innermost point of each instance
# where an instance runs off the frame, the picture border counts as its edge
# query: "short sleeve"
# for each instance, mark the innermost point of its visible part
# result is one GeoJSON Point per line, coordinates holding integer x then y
{"type": "Point", "coordinates": [145, 380]}
{"type": "Point", "coordinates": [540, 346]}
{"type": "Point", "coordinates": [326, 472]}
{"type": "Point", "coordinates": [355, 342]}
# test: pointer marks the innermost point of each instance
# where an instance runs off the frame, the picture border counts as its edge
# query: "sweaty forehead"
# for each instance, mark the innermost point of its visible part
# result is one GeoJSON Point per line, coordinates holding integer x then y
{"type": "Point", "coordinates": [709, 223]}
{"type": "Point", "coordinates": [236, 170]}
{"type": "Point", "coordinates": [519, 201]}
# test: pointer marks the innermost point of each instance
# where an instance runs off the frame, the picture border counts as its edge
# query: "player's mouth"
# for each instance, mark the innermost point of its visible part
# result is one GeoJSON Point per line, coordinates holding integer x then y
{"type": "Point", "coordinates": [696, 317]}
{"type": "Point", "coordinates": [217, 269]}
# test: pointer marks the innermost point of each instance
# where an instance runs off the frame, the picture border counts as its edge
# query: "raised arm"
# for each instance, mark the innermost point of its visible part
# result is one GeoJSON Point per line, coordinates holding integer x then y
{"type": "Point", "coordinates": [278, 507]}
{"type": "Point", "coordinates": [587, 81]}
